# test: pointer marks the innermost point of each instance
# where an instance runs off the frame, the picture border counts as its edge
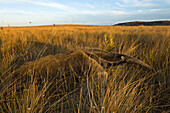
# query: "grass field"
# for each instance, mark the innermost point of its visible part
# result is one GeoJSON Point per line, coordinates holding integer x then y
{"type": "Point", "coordinates": [128, 89]}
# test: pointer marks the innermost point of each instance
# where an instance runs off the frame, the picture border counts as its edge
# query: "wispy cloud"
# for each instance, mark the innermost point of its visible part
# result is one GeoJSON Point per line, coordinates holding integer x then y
{"type": "Point", "coordinates": [152, 11]}
{"type": "Point", "coordinates": [145, 5]}
{"type": "Point", "coordinates": [120, 4]}
{"type": "Point", "coordinates": [40, 3]}
{"type": "Point", "coordinates": [53, 5]}
{"type": "Point", "coordinates": [111, 12]}
{"type": "Point", "coordinates": [136, 3]}
{"type": "Point", "coordinates": [90, 5]}
{"type": "Point", "coordinates": [119, 12]}
{"type": "Point", "coordinates": [156, 10]}
{"type": "Point", "coordinates": [86, 5]}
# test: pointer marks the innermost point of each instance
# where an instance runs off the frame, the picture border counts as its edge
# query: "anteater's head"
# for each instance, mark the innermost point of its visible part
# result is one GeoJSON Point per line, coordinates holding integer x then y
{"type": "Point", "coordinates": [128, 59]}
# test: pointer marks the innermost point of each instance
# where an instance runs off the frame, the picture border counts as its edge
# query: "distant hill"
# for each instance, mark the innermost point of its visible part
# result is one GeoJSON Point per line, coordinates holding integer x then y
{"type": "Point", "coordinates": [140, 23]}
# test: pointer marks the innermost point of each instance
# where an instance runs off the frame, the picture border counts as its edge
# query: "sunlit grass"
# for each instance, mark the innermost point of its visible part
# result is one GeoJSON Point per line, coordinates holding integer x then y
{"type": "Point", "coordinates": [128, 88]}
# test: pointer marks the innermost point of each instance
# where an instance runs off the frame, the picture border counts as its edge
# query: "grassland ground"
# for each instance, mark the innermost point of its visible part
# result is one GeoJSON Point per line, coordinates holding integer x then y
{"type": "Point", "coordinates": [129, 88]}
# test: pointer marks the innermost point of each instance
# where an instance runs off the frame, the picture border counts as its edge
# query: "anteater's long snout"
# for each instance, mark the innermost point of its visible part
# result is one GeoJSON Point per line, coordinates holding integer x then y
{"type": "Point", "coordinates": [130, 59]}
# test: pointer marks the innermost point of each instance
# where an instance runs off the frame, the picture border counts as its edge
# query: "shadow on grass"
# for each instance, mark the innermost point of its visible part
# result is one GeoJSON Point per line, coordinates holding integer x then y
{"type": "Point", "coordinates": [36, 50]}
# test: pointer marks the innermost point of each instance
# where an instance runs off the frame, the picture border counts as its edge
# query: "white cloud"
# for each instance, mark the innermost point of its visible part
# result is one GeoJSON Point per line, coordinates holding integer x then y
{"type": "Point", "coordinates": [119, 12]}
{"type": "Point", "coordinates": [140, 10]}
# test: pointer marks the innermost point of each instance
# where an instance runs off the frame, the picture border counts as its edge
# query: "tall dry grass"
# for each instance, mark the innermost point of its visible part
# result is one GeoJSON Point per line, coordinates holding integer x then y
{"type": "Point", "coordinates": [129, 88]}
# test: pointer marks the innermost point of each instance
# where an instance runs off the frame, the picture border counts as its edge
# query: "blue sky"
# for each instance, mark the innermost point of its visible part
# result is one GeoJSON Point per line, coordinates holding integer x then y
{"type": "Point", "coordinates": [98, 12]}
